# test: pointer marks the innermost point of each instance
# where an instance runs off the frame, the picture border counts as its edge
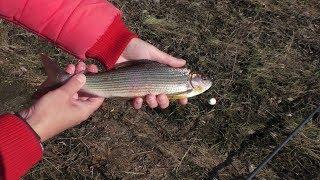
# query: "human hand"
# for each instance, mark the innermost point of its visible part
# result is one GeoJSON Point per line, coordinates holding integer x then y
{"type": "Point", "coordinates": [64, 107]}
{"type": "Point", "coordinates": [138, 49]}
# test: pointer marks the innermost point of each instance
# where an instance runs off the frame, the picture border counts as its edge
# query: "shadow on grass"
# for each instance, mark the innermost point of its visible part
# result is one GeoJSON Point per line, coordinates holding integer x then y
{"type": "Point", "coordinates": [248, 141]}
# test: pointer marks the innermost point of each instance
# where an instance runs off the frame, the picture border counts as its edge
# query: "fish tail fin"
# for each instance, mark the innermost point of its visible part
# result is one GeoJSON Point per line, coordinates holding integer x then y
{"type": "Point", "coordinates": [53, 71]}
{"type": "Point", "coordinates": [55, 76]}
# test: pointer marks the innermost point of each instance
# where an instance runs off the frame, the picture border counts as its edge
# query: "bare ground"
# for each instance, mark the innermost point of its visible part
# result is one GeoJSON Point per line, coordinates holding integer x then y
{"type": "Point", "coordinates": [264, 58]}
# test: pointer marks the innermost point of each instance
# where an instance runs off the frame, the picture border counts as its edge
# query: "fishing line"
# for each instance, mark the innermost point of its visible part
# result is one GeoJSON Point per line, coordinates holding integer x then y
{"type": "Point", "coordinates": [312, 116]}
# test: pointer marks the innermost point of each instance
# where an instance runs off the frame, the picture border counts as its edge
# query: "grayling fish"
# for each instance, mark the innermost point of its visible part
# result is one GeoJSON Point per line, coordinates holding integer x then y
{"type": "Point", "coordinates": [137, 80]}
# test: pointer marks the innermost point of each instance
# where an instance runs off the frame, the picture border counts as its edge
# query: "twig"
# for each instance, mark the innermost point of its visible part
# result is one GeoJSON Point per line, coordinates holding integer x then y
{"type": "Point", "coordinates": [185, 154]}
{"type": "Point", "coordinates": [52, 164]}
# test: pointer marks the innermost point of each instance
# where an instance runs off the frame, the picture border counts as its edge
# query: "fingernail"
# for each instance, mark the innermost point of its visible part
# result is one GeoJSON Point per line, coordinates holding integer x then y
{"type": "Point", "coordinates": [81, 78]}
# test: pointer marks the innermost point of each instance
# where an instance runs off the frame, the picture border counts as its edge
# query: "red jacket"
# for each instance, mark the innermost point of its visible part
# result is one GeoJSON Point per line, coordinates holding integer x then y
{"type": "Point", "coordinates": [84, 28]}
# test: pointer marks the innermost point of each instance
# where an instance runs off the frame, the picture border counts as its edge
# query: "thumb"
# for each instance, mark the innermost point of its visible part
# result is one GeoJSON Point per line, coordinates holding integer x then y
{"type": "Point", "coordinates": [74, 84]}
{"type": "Point", "coordinates": [164, 58]}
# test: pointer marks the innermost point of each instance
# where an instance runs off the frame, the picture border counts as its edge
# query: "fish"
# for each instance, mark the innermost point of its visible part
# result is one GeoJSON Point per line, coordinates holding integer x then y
{"type": "Point", "coordinates": [135, 79]}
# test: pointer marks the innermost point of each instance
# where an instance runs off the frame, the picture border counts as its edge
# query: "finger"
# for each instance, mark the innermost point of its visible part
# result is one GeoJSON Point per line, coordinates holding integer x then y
{"type": "Point", "coordinates": [74, 84]}
{"type": "Point", "coordinates": [151, 101]}
{"type": "Point", "coordinates": [70, 69]}
{"type": "Point", "coordinates": [26, 113]}
{"type": "Point", "coordinates": [92, 68]}
{"type": "Point", "coordinates": [163, 101]}
{"type": "Point", "coordinates": [164, 58]}
{"type": "Point", "coordinates": [96, 101]}
{"type": "Point", "coordinates": [121, 59]}
{"type": "Point", "coordinates": [183, 101]}
{"type": "Point", "coordinates": [75, 96]}
{"type": "Point", "coordinates": [80, 67]}
{"type": "Point", "coordinates": [137, 103]}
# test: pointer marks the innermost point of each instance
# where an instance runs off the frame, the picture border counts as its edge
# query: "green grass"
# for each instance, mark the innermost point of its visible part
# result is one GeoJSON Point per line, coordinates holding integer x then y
{"type": "Point", "coordinates": [264, 59]}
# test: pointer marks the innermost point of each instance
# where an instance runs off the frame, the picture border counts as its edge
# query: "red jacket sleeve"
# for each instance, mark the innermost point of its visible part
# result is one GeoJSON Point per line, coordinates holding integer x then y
{"type": "Point", "coordinates": [20, 149]}
{"type": "Point", "coordinates": [84, 28]}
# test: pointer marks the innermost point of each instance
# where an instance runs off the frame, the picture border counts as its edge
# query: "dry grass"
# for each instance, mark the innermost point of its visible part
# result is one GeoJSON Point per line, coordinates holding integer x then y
{"type": "Point", "coordinates": [264, 57]}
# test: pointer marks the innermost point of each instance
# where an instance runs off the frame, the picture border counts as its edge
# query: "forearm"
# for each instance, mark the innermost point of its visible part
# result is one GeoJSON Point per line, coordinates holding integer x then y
{"type": "Point", "coordinates": [84, 28]}
{"type": "Point", "coordinates": [20, 148]}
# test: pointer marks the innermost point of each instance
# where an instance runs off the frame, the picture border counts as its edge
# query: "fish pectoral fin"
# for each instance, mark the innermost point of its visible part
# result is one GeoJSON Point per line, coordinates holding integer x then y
{"type": "Point", "coordinates": [180, 95]}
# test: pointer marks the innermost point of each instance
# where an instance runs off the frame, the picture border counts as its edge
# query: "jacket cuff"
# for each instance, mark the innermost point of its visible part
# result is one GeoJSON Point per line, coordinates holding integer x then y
{"type": "Point", "coordinates": [19, 147]}
{"type": "Point", "coordinates": [111, 44]}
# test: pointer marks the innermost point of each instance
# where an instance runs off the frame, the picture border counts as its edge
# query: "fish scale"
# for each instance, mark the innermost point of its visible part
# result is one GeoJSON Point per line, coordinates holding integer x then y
{"type": "Point", "coordinates": [139, 80]}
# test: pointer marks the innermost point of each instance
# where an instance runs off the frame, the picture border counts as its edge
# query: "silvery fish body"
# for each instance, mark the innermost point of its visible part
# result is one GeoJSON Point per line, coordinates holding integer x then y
{"type": "Point", "coordinates": [137, 80]}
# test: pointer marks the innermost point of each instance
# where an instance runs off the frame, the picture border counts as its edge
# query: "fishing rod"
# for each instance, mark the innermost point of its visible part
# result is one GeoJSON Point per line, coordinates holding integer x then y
{"type": "Point", "coordinates": [315, 114]}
